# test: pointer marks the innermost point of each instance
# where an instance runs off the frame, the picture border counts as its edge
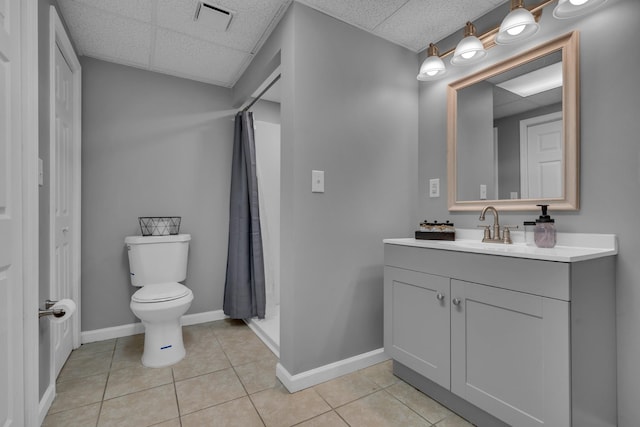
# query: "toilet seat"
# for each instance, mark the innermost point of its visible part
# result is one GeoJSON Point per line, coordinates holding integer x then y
{"type": "Point", "coordinates": [159, 292]}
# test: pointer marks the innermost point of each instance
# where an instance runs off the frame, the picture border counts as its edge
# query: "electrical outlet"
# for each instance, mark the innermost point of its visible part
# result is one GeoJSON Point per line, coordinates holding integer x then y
{"type": "Point", "coordinates": [483, 192]}
{"type": "Point", "coordinates": [434, 187]}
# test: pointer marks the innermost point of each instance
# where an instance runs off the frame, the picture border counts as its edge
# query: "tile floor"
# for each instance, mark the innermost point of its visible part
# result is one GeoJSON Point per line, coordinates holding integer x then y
{"type": "Point", "coordinates": [227, 379]}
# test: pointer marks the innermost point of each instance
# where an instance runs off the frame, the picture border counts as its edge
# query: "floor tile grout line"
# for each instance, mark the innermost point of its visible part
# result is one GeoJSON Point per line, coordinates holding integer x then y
{"type": "Point", "coordinates": [58, 381]}
{"type": "Point", "coordinates": [380, 388]}
{"type": "Point", "coordinates": [411, 409]}
{"type": "Point", "coordinates": [231, 366]}
{"type": "Point", "coordinates": [434, 424]}
{"type": "Point", "coordinates": [175, 392]}
{"type": "Point", "coordinates": [224, 403]}
{"type": "Point", "coordinates": [74, 408]}
{"type": "Point", "coordinates": [316, 416]}
{"type": "Point", "coordinates": [246, 392]}
{"type": "Point", "coordinates": [341, 417]}
{"type": "Point", "coordinates": [264, 423]}
{"type": "Point", "coordinates": [106, 383]}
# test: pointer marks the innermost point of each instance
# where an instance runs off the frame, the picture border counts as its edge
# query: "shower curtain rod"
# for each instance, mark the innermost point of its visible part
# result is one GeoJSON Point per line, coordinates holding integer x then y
{"type": "Point", "coordinates": [257, 98]}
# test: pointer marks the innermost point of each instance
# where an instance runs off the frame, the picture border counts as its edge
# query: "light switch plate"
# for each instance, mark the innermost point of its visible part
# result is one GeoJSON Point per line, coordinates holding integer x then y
{"type": "Point", "coordinates": [434, 187]}
{"type": "Point", "coordinates": [483, 192]}
{"type": "Point", "coordinates": [317, 181]}
{"type": "Point", "coordinates": [40, 172]}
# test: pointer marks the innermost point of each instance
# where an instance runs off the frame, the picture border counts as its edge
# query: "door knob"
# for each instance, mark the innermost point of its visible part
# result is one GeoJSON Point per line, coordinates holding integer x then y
{"type": "Point", "coordinates": [456, 301]}
{"type": "Point", "coordinates": [439, 296]}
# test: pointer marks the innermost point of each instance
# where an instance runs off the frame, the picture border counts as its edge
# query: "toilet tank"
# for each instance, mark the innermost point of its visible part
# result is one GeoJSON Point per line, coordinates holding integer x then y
{"type": "Point", "coordinates": [157, 259]}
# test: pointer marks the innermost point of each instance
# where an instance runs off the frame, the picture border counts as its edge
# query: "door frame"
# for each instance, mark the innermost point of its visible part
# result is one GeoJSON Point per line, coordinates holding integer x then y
{"type": "Point", "coordinates": [524, 144]}
{"type": "Point", "coordinates": [30, 206]}
{"type": "Point", "coordinates": [58, 38]}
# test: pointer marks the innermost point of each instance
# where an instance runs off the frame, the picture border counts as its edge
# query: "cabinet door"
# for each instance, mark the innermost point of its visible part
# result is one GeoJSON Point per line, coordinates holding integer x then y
{"type": "Point", "coordinates": [510, 354]}
{"type": "Point", "coordinates": [417, 322]}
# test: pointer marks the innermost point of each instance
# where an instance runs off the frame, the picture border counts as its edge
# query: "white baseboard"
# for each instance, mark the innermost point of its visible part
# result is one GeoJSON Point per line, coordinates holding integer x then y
{"type": "Point", "coordinates": [46, 402]}
{"type": "Point", "coordinates": [204, 317]}
{"type": "Point", "coordinates": [328, 372]}
{"type": "Point", "coordinates": [138, 328]}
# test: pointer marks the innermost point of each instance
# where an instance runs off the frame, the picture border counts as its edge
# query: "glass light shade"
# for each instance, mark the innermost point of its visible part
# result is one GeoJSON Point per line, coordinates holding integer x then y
{"type": "Point", "coordinates": [518, 25]}
{"type": "Point", "coordinates": [432, 68]}
{"type": "Point", "coordinates": [468, 51]}
{"type": "Point", "coordinates": [570, 8]}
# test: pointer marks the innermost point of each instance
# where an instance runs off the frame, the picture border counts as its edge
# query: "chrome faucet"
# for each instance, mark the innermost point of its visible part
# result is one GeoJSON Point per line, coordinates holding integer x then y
{"type": "Point", "coordinates": [490, 237]}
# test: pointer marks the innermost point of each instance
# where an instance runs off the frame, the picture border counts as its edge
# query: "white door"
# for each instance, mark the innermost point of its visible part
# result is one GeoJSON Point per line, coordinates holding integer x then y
{"type": "Point", "coordinates": [11, 284]}
{"type": "Point", "coordinates": [61, 204]}
{"type": "Point", "coordinates": [541, 157]}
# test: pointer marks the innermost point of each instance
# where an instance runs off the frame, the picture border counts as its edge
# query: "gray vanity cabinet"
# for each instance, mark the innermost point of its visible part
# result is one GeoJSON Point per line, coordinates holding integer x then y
{"type": "Point", "coordinates": [419, 322]}
{"type": "Point", "coordinates": [510, 354]}
{"type": "Point", "coordinates": [493, 341]}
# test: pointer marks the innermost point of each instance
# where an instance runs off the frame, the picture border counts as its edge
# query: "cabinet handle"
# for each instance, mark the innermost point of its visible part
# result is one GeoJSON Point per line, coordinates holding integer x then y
{"type": "Point", "coordinates": [456, 301]}
{"type": "Point", "coordinates": [439, 296]}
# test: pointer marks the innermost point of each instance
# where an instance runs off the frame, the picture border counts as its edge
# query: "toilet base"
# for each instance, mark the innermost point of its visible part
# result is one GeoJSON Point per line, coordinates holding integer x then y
{"type": "Point", "coordinates": [163, 345]}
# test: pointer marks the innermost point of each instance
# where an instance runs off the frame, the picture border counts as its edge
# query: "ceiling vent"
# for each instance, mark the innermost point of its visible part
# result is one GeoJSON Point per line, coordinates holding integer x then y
{"type": "Point", "coordinates": [212, 17]}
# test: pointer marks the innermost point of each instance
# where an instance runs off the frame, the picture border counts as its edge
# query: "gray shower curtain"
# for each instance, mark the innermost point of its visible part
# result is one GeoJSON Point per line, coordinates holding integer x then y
{"type": "Point", "coordinates": [244, 290]}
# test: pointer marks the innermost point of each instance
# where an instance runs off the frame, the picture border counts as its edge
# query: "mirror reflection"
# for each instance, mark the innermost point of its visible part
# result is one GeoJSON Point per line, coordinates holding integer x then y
{"type": "Point", "coordinates": [513, 131]}
{"type": "Point", "coordinates": [509, 132]}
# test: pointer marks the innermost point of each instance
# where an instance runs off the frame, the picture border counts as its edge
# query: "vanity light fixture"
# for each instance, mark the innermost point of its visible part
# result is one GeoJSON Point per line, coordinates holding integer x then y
{"type": "Point", "coordinates": [571, 8]}
{"type": "Point", "coordinates": [470, 49]}
{"type": "Point", "coordinates": [518, 25]}
{"type": "Point", "coordinates": [433, 67]}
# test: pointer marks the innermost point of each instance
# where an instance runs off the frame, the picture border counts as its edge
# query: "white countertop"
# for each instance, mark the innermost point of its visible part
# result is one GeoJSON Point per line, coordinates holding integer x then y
{"type": "Point", "coordinates": [570, 247]}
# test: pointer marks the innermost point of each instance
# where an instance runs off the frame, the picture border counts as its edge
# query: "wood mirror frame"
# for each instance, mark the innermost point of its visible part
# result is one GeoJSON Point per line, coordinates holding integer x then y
{"type": "Point", "coordinates": [569, 46]}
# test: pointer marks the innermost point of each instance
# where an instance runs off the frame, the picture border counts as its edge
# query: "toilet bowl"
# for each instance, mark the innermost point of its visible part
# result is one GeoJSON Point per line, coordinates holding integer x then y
{"type": "Point", "coordinates": [160, 313]}
{"type": "Point", "coordinates": [157, 264]}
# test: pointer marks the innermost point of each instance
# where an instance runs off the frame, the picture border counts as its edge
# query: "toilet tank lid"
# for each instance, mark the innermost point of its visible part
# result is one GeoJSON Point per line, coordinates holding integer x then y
{"type": "Point", "coordinates": [143, 240]}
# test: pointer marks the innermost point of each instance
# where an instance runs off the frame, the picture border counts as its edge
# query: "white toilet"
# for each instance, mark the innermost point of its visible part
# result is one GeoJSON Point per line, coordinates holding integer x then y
{"type": "Point", "coordinates": [157, 264]}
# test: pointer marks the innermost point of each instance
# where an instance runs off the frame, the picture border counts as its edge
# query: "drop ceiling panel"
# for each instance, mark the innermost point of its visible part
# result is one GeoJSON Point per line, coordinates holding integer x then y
{"type": "Point", "coordinates": [107, 36]}
{"type": "Point", "coordinates": [366, 14]}
{"type": "Point", "coordinates": [189, 57]}
{"type": "Point", "coordinates": [150, 33]}
{"type": "Point", "coordinates": [549, 97]}
{"type": "Point", "coordinates": [250, 19]}
{"type": "Point", "coordinates": [135, 9]}
{"type": "Point", "coordinates": [420, 22]}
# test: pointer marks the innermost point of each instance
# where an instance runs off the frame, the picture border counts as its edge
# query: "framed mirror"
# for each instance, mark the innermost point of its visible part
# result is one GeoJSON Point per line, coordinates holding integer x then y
{"type": "Point", "coordinates": [513, 132]}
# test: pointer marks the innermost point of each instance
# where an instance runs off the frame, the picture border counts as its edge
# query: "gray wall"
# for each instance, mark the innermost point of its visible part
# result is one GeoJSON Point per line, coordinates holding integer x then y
{"type": "Point", "coordinates": [349, 107]}
{"type": "Point", "coordinates": [153, 145]}
{"type": "Point", "coordinates": [475, 141]}
{"type": "Point", "coordinates": [266, 111]}
{"type": "Point", "coordinates": [610, 161]}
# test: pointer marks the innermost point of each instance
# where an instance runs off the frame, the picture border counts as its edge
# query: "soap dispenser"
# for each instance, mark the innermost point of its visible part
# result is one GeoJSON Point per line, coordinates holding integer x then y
{"type": "Point", "coordinates": [544, 234]}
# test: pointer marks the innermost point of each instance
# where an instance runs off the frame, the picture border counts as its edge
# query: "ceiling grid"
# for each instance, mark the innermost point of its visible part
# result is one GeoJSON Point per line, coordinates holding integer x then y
{"type": "Point", "coordinates": [162, 36]}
